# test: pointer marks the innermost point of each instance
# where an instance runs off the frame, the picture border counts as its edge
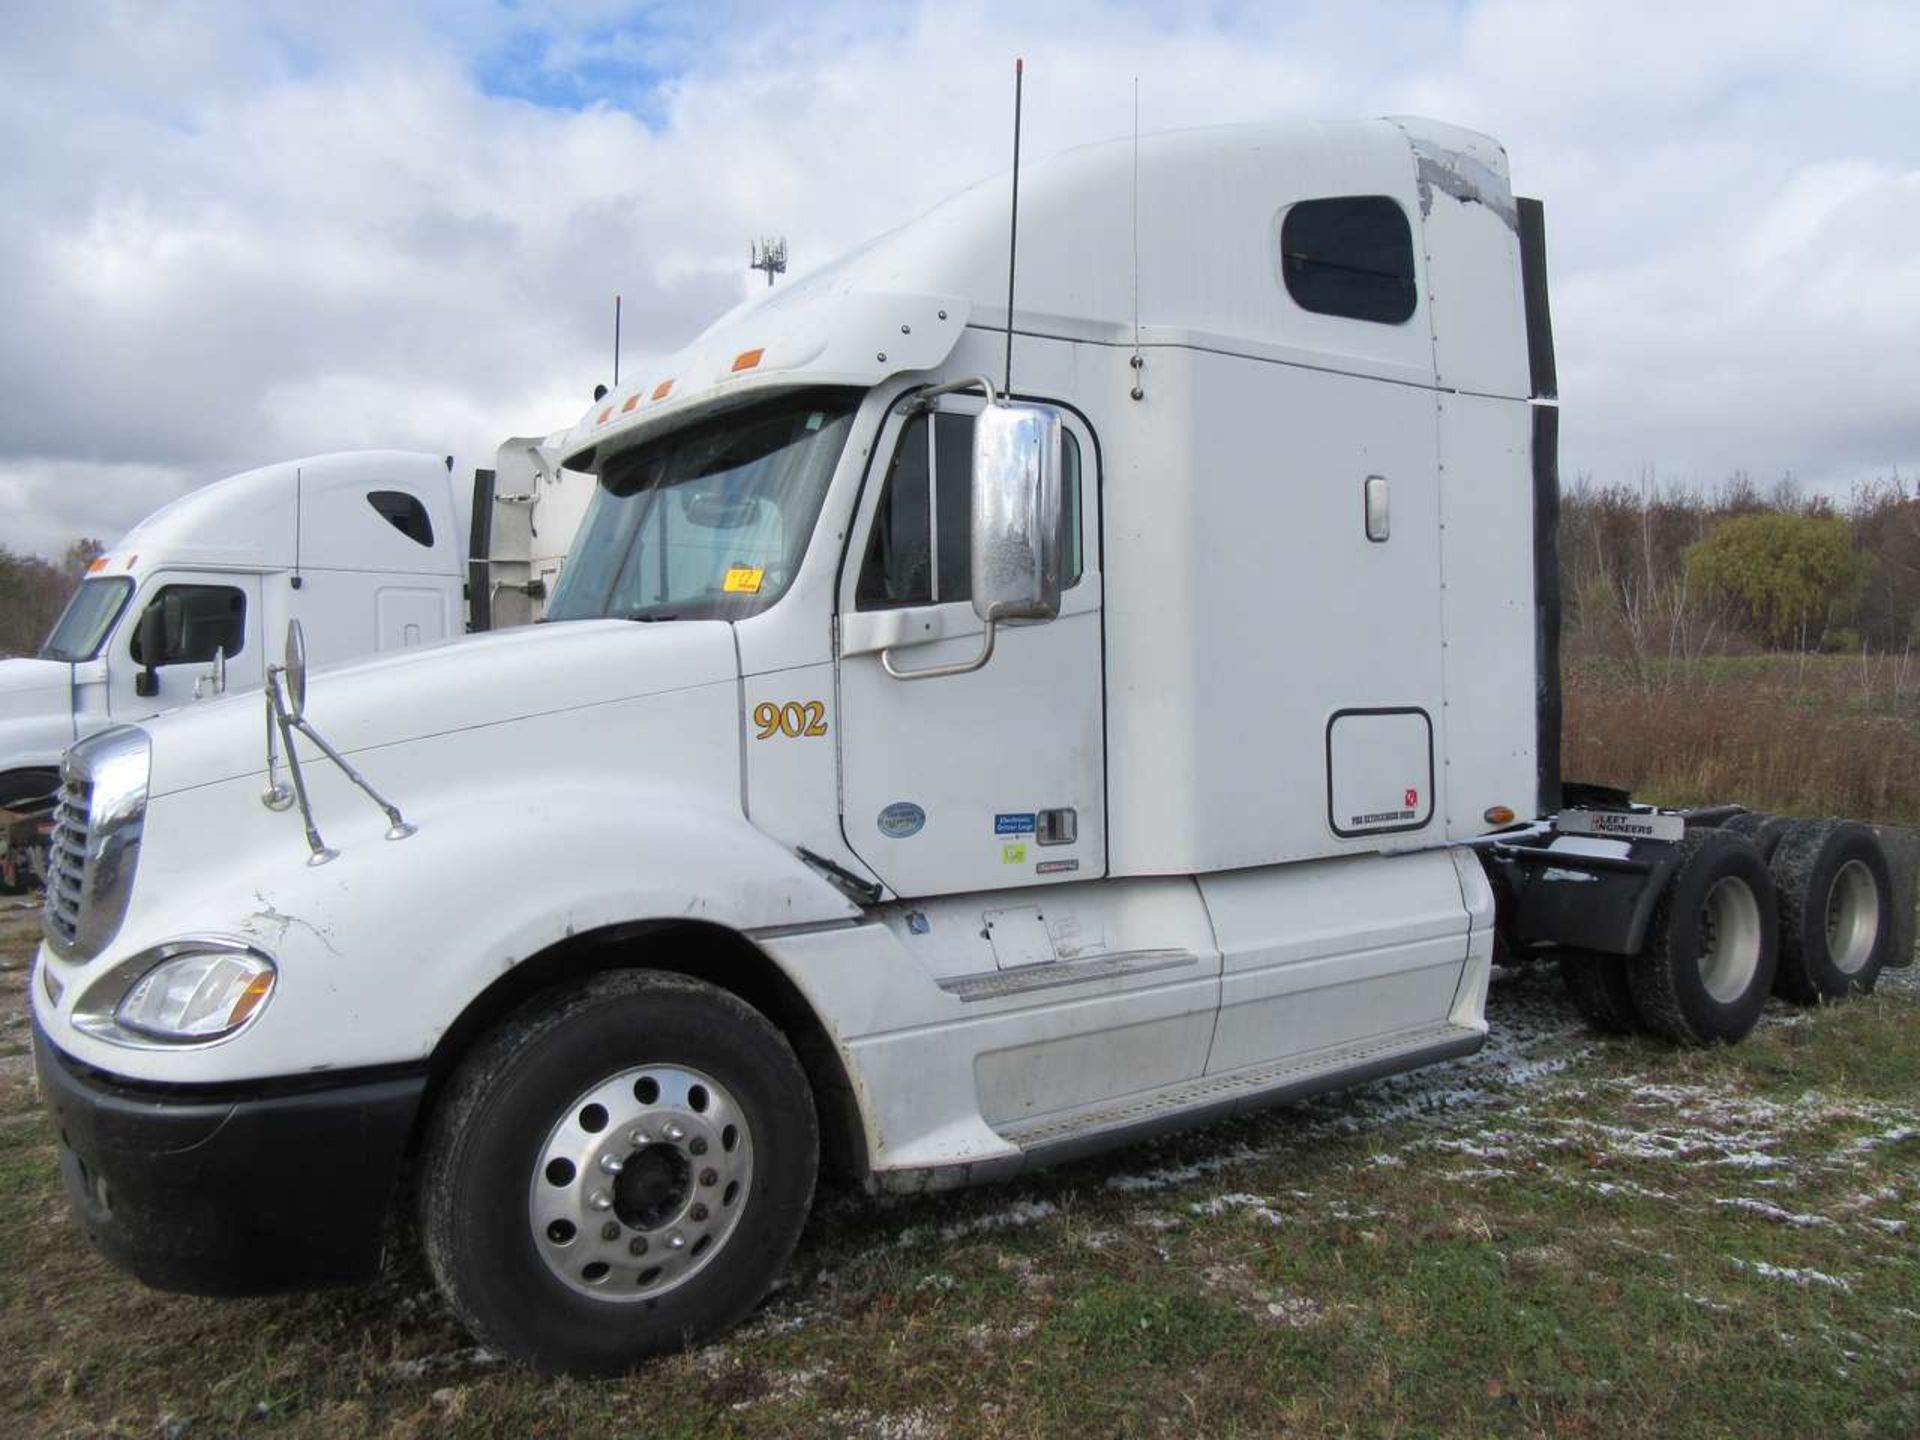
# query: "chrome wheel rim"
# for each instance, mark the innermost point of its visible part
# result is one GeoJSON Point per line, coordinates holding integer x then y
{"type": "Point", "coordinates": [640, 1183]}
{"type": "Point", "coordinates": [1853, 917]}
{"type": "Point", "coordinates": [1730, 936]}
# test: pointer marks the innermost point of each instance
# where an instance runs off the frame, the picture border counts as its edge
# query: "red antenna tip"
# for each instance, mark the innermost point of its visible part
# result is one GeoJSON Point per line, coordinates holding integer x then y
{"type": "Point", "coordinates": [1018, 65]}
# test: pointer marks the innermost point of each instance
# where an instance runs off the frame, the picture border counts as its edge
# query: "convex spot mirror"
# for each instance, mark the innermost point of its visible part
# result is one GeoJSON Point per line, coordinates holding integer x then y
{"type": "Point", "coordinates": [1019, 541]}
{"type": "Point", "coordinates": [294, 675]}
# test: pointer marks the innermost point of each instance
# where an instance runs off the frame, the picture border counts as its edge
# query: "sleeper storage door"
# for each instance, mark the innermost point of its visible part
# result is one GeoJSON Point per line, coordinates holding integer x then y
{"type": "Point", "coordinates": [985, 780]}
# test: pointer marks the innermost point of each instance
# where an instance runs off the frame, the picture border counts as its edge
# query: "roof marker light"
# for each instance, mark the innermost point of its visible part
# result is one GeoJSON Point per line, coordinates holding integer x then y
{"type": "Point", "coordinates": [661, 391]}
{"type": "Point", "coordinates": [747, 359]}
{"type": "Point", "coordinates": [632, 400]}
{"type": "Point", "coordinates": [99, 562]}
{"type": "Point", "coordinates": [605, 415]}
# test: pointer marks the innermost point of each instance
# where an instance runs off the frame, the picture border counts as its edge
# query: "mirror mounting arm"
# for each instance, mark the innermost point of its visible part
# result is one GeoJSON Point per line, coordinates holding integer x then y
{"type": "Point", "coordinates": [932, 672]}
{"type": "Point", "coordinates": [926, 397]}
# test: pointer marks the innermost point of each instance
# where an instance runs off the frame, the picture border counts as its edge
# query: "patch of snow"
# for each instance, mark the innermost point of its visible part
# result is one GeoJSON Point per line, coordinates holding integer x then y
{"type": "Point", "coordinates": [1774, 1212]}
{"type": "Point", "coordinates": [1795, 1276]}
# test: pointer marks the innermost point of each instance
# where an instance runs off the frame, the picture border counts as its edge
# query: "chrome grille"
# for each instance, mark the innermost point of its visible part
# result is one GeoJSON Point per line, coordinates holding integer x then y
{"type": "Point", "coordinates": [95, 845]}
{"type": "Point", "coordinates": [67, 860]}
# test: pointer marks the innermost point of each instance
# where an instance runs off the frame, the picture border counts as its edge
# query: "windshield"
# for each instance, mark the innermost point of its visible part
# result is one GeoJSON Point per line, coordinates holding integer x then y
{"type": "Point", "coordinates": [87, 618]}
{"type": "Point", "coordinates": [711, 521]}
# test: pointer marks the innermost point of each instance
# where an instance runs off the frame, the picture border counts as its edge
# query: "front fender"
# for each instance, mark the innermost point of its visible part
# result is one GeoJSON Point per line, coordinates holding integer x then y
{"type": "Point", "coordinates": [381, 949]}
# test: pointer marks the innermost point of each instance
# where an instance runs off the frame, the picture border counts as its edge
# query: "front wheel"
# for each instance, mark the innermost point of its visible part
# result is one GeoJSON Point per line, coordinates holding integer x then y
{"type": "Point", "coordinates": [620, 1170]}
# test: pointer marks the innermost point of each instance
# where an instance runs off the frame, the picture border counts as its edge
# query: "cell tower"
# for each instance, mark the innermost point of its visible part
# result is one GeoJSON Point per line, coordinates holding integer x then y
{"type": "Point", "coordinates": [770, 255]}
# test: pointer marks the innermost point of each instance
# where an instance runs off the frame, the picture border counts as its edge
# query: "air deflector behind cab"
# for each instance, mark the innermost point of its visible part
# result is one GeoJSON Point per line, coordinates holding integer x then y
{"type": "Point", "coordinates": [1379, 771]}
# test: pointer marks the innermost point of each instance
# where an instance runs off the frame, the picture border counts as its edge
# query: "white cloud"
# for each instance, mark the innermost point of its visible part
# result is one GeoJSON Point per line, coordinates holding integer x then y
{"type": "Point", "coordinates": [326, 227]}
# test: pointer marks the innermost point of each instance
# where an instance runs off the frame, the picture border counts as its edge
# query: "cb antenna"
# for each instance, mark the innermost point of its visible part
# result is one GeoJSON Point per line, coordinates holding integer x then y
{"type": "Point", "coordinates": [1013, 222]}
{"type": "Point", "coordinates": [616, 342]}
{"type": "Point", "coordinates": [770, 255]}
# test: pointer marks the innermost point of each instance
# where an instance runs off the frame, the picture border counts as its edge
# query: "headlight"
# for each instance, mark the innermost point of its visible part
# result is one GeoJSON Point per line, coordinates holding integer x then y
{"type": "Point", "coordinates": [185, 993]}
{"type": "Point", "coordinates": [197, 997]}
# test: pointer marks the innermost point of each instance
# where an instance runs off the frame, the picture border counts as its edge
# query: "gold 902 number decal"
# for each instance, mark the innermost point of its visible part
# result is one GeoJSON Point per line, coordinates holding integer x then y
{"type": "Point", "coordinates": [793, 719]}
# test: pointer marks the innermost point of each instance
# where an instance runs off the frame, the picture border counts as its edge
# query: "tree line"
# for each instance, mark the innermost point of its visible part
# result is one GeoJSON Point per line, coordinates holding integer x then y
{"type": "Point", "coordinates": [34, 591]}
{"type": "Point", "coordinates": [1674, 571]}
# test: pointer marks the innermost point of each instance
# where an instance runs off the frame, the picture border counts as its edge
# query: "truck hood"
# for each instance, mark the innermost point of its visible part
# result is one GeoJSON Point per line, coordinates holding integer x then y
{"type": "Point", "coordinates": [34, 677]}
{"type": "Point", "coordinates": [36, 712]}
{"type": "Point", "coordinates": [467, 684]}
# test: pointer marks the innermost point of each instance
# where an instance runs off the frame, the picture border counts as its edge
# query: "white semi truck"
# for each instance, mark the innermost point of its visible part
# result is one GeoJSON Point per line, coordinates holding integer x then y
{"type": "Point", "coordinates": [364, 548]}
{"type": "Point", "coordinates": [934, 777]}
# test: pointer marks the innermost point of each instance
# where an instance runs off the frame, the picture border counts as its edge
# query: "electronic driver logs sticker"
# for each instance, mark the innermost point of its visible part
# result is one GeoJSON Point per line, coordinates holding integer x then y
{"type": "Point", "coordinates": [744, 579]}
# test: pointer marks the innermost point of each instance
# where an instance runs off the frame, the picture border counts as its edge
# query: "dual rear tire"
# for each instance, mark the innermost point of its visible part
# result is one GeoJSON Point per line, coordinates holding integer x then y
{"type": "Point", "coordinates": [1761, 905]}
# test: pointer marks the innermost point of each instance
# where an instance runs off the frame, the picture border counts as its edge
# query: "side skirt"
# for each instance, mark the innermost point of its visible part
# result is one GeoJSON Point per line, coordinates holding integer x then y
{"type": "Point", "coordinates": [1058, 1139]}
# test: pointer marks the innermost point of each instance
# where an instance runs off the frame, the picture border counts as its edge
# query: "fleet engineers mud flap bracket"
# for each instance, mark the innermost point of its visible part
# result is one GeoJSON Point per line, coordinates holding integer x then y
{"type": "Point", "coordinates": [1588, 881]}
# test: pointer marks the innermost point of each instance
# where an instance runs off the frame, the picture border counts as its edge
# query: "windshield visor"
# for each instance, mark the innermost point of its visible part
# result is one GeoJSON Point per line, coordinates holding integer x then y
{"type": "Point", "coordinates": [709, 522]}
{"type": "Point", "coordinates": [89, 615]}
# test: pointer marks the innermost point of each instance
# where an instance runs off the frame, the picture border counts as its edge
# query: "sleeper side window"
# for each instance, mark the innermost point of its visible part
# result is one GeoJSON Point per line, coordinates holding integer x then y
{"type": "Point", "coordinates": [1351, 257]}
{"type": "Point", "coordinates": [198, 620]}
{"type": "Point", "coordinates": [405, 513]}
{"type": "Point", "coordinates": [918, 552]}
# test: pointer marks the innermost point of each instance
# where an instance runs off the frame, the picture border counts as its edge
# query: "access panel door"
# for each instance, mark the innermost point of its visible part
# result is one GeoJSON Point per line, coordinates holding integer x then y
{"type": "Point", "coordinates": [980, 781]}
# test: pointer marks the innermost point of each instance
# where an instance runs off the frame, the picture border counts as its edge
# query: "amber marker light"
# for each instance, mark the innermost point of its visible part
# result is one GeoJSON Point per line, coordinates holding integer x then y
{"type": "Point", "coordinates": [663, 389]}
{"type": "Point", "coordinates": [1497, 815]}
{"type": "Point", "coordinates": [747, 359]}
{"type": "Point", "coordinates": [257, 990]}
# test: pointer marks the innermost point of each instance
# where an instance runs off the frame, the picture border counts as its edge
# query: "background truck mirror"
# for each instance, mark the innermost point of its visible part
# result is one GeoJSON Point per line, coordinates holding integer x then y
{"type": "Point", "coordinates": [152, 637]}
{"type": "Point", "coordinates": [1018, 536]}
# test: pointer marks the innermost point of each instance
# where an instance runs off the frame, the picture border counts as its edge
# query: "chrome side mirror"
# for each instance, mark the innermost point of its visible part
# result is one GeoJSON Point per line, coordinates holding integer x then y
{"type": "Point", "coordinates": [294, 672]}
{"type": "Point", "coordinates": [1019, 539]}
{"type": "Point", "coordinates": [1018, 542]}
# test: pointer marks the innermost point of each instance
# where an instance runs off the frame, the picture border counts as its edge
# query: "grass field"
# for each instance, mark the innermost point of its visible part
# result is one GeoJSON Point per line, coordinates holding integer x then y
{"type": "Point", "coordinates": [1798, 735]}
{"type": "Point", "coordinates": [1562, 1235]}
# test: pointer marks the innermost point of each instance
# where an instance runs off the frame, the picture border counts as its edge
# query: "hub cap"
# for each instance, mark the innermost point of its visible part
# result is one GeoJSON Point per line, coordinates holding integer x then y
{"type": "Point", "coordinates": [1730, 935]}
{"type": "Point", "coordinates": [640, 1183]}
{"type": "Point", "coordinates": [1853, 917]}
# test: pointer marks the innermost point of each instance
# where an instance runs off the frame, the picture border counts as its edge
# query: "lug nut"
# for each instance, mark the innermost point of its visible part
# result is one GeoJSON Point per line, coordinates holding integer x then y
{"type": "Point", "coordinates": [637, 1245]}
{"type": "Point", "coordinates": [600, 1200]}
{"type": "Point", "coordinates": [698, 1145]}
{"type": "Point", "coordinates": [699, 1212]}
{"type": "Point", "coordinates": [709, 1176]}
{"type": "Point", "coordinates": [636, 1137]}
{"type": "Point", "coordinates": [610, 1230]}
{"type": "Point", "coordinates": [676, 1241]}
{"type": "Point", "coordinates": [675, 1133]}
{"type": "Point", "coordinates": [612, 1164]}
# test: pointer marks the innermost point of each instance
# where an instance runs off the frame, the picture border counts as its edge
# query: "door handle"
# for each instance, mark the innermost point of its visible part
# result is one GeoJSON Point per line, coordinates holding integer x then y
{"type": "Point", "coordinates": [934, 672]}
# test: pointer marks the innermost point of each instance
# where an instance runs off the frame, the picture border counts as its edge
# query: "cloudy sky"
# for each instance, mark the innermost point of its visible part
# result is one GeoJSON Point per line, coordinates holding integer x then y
{"type": "Point", "coordinates": [242, 232]}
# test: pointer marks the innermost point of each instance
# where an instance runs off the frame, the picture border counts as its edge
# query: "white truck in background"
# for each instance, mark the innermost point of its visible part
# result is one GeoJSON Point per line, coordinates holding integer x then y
{"type": "Point", "coordinates": [934, 777]}
{"type": "Point", "coordinates": [365, 549]}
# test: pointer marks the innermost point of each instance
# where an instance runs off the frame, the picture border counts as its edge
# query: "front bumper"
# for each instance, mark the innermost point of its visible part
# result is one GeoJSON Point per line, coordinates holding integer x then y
{"type": "Point", "coordinates": [224, 1191]}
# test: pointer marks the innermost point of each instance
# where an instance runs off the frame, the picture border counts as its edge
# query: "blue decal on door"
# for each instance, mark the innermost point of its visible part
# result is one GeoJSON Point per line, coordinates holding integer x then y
{"type": "Point", "coordinates": [901, 819]}
{"type": "Point", "coordinates": [1013, 824]}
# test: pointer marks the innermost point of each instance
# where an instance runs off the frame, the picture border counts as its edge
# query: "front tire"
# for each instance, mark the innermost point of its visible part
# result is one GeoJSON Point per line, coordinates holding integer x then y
{"type": "Point", "coordinates": [1706, 969]}
{"type": "Point", "coordinates": [620, 1170]}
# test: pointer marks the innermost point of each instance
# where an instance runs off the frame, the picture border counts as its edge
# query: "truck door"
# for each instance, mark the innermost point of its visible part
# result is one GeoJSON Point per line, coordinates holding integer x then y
{"type": "Point", "coordinates": [986, 780]}
{"type": "Point", "coordinates": [200, 614]}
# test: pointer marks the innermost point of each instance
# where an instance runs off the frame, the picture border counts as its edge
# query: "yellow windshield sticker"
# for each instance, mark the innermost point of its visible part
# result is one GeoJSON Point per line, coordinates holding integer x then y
{"type": "Point", "coordinates": [744, 579]}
